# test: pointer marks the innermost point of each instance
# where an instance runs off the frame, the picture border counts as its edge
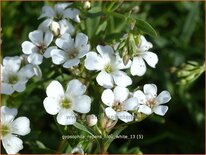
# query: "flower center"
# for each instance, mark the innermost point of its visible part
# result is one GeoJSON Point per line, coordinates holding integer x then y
{"type": "Point", "coordinates": [151, 103]}
{"type": "Point", "coordinates": [58, 17]}
{"type": "Point", "coordinates": [108, 68]}
{"type": "Point", "coordinates": [117, 106]}
{"type": "Point", "coordinates": [73, 54]}
{"type": "Point", "coordinates": [13, 79]}
{"type": "Point", "coordinates": [66, 103]}
{"type": "Point", "coordinates": [4, 130]}
{"type": "Point", "coordinates": [41, 48]}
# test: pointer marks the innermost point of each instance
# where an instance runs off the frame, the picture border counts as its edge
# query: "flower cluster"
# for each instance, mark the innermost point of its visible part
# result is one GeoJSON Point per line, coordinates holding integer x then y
{"type": "Point", "coordinates": [58, 40]}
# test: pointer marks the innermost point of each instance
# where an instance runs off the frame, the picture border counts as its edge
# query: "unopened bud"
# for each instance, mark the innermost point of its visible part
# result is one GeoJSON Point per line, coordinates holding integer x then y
{"type": "Point", "coordinates": [37, 71]}
{"type": "Point", "coordinates": [126, 59]}
{"type": "Point", "coordinates": [91, 120]}
{"type": "Point", "coordinates": [55, 28]}
{"type": "Point", "coordinates": [107, 124]}
{"type": "Point", "coordinates": [87, 5]}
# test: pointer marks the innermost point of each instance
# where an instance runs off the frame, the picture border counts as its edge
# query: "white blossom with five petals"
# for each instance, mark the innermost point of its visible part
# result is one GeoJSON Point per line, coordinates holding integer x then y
{"type": "Point", "coordinates": [57, 18]}
{"type": "Point", "coordinates": [150, 102]}
{"type": "Point", "coordinates": [138, 66]}
{"type": "Point", "coordinates": [64, 103]}
{"type": "Point", "coordinates": [71, 51]}
{"type": "Point", "coordinates": [119, 103]}
{"type": "Point", "coordinates": [11, 127]}
{"type": "Point", "coordinates": [38, 46]}
{"type": "Point", "coordinates": [110, 65]}
{"type": "Point", "coordinates": [13, 77]}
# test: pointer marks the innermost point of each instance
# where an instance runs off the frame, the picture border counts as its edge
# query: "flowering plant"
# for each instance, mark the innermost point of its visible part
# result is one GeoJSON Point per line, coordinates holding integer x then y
{"type": "Point", "coordinates": [89, 84]}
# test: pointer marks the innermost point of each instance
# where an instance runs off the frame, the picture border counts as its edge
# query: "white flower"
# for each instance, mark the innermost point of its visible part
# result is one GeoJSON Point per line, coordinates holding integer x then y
{"type": "Point", "coordinates": [59, 15]}
{"type": "Point", "coordinates": [138, 66]}
{"type": "Point", "coordinates": [150, 102]}
{"type": "Point", "coordinates": [77, 150]}
{"type": "Point", "coordinates": [37, 47]}
{"type": "Point", "coordinates": [10, 128]}
{"type": "Point", "coordinates": [119, 103]}
{"type": "Point", "coordinates": [109, 64]}
{"type": "Point", "coordinates": [12, 77]}
{"type": "Point", "coordinates": [91, 120]}
{"type": "Point", "coordinates": [65, 103]}
{"type": "Point", "coordinates": [71, 50]}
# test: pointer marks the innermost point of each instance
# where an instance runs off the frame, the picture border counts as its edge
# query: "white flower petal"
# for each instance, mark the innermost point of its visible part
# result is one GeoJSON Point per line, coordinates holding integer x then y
{"type": "Point", "coordinates": [21, 126]}
{"type": "Point", "coordinates": [119, 63]}
{"type": "Point", "coordinates": [55, 90]}
{"type": "Point", "coordinates": [58, 56]}
{"type": "Point", "coordinates": [140, 96]}
{"type": "Point", "coordinates": [36, 37]}
{"type": "Point", "coordinates": [121, 79]}
{"type": "Point", "coordinates": [83, 51]}
{"type": "Point", "coordinates": [7, 114]}
{"type": "Point", "coordinates": [71, 63]}
{"type": "Point", "coordinates": [106, 52]}
{"type": "Point", "coordinates": [28, 47]}
{"type": "Point", "coordinates": [66, 27]}
{"type": "Point", "coordinates": [35, 59]}
{"type": "Point", "coordinates": [151, 58]}
{"type": "Point", "coordinates": [145, 45]}
{"type": "Point", "coordinates": [104, 79]}
{"type": "Point", "coordinates": [27, 71]}
{"type": "Point", "coordinates": [6, 89]}
{"type": "Point", "coordinates": [47, 53]}
{"type": "Point", "coordinates": [108, 97]}
{"type": "Point", "coordinates": [82, 104]}
{"type": "Point", "coordinates": [81, 40]}
{"type": "Point", "coordinates": [150, 89]}
{"type": "Point", "coordinates": [160, 110]}
{"type": "Point", "coordinates": [60, 7]}
{"type": "Point", "coordinates": [125, 116]}
{"type": "Point", "coordinates": [163, 97]}
{"type": "Point", "coordinates": [44, 26]}
{"type": "Point", "coordinates": [51, 105]}
{"type": "Point", "coordinates": [12, 64]}
{"type": "Point", "coordinates": [12, 144]}
{"type": "Point", "coordinates": [138, 66]}
{"type": "Point", "coordinates": [75, 88]}
{"type": "Point", "coordinates": [111, 114]}
{"type": "Point", "coordinates": [65, 42]}
{"type": "Point", "coordinates": [120, 93]}
{"type": "Point", "coordinates": [72, 14]}
{"type": "Point", "coordinates": [131, 104]}
{"type": "Point", "coordinates": [20, 86]}
{"type": "Point", "coordinates": [48, 37]}
{"type": "Point", "coordinates": [66, 117]}
{"type": "Point", "coordinates": [47, 11]}
{"type": "Point", "coordinates": [93, 61]}
{"type": "Point", "coordinates": [145, 109]}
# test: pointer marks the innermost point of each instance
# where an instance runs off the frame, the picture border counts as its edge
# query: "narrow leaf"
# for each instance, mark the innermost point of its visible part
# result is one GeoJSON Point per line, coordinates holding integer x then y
{"type": "Point", "coordinates": [145, 27]}
{"type": "Point", "coordinates": [114, 134]}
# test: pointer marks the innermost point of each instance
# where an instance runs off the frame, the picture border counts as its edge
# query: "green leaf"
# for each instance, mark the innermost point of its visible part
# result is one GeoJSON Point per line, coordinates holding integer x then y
{"type": "Point", "coordinates": [114, 134]}
{"type": "Point", "coordinates": [88, 130]}
{"type": "Point", "coordinates": [145, 27]}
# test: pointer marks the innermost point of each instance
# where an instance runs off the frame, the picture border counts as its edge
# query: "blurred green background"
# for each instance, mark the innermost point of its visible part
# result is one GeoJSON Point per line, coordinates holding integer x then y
{"type": "Point", "coordinates": [180, 28]}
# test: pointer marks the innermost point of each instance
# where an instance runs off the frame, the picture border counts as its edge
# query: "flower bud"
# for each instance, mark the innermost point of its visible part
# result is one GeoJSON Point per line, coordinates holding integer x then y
{"type": "Point", "coordinates": [55, 28]}
{"type": "Point", "coordinates": [77, 150]}
{"type": "Point", "coordinates": [91, 120]}
{"type": "Point", "coordinates": [87, 5]}
{"type": "Point", "coordinates": [107, 124]}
